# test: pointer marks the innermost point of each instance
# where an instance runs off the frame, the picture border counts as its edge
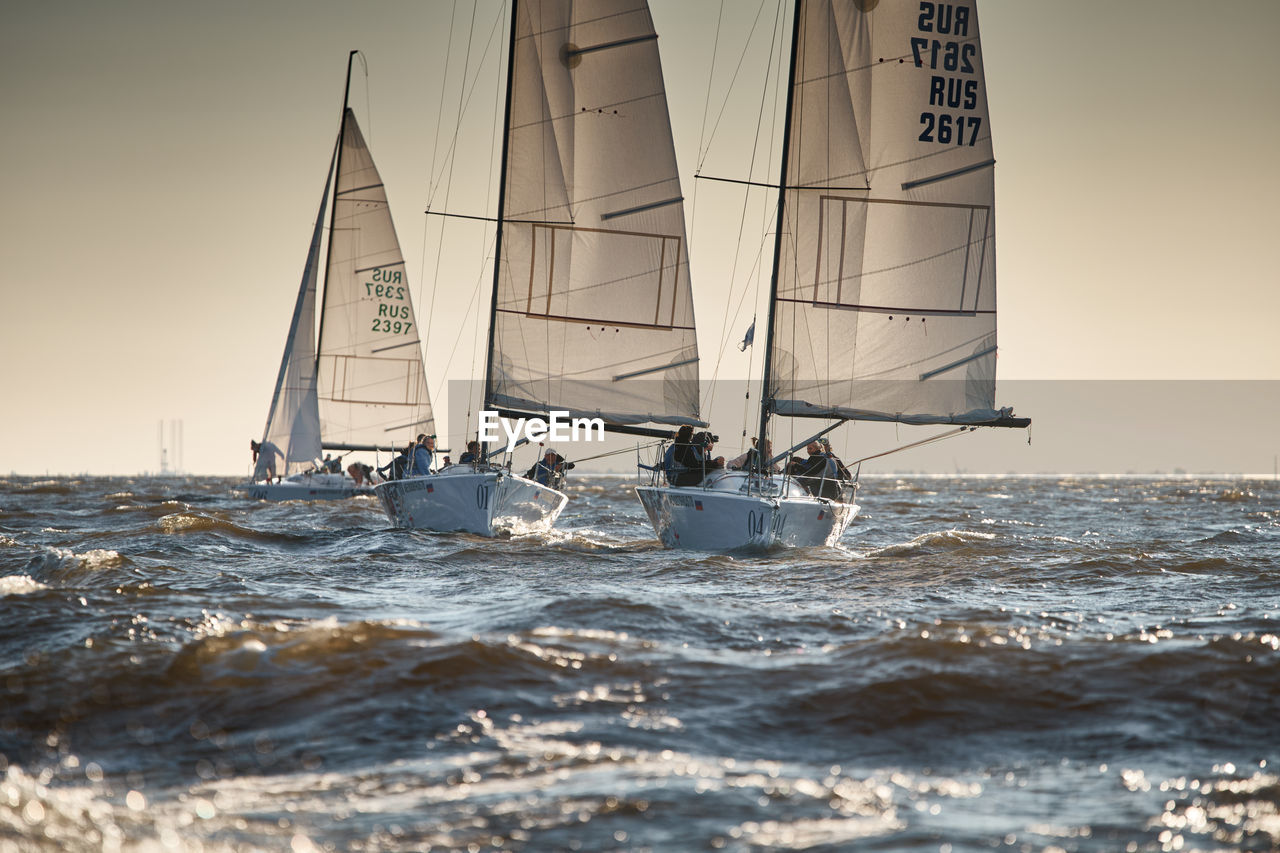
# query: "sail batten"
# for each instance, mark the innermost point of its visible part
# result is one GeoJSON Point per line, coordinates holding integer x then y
{"type": "Point", "coordinates": [589, 316]}
{"type": "Point", "coordinates": [884, 304]}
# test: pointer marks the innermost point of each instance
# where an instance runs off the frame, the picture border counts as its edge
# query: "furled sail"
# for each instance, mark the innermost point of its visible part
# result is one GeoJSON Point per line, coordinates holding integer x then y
{"type": "Point", "coordinates": [593, 308]}
{"type": "Point", "coordinates": [372, 386]}
{"type": "Point", "coordinates": [886, 303]}
{"type": "Point", "coordinates": [293, 422]}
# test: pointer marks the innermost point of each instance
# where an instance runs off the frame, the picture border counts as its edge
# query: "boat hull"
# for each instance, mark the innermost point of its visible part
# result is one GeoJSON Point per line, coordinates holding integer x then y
{"type": "Point", "coordinates": [727, 515]}
{"type": "Point", "coordinates": [306, 487]}
{"type": "Point", "coordinates": [485, 502]}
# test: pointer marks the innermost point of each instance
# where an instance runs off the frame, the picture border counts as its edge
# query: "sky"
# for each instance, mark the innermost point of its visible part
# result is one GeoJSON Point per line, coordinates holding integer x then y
{"type": "Point", "coordinates": [162, 164]}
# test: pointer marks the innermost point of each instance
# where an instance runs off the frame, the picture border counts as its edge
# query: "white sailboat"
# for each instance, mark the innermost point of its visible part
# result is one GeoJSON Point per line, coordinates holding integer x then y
{"type": "Point", "coordinates": [882, 302]}
{"type": "Point", "coordinates": [591, 312]}
{"type": "Point", "coordinates": [363, 388]}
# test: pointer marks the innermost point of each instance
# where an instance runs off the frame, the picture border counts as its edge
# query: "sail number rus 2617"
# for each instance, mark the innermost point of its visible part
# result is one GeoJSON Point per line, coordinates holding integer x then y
{"type": "Point", "coordinates": [953, 86]}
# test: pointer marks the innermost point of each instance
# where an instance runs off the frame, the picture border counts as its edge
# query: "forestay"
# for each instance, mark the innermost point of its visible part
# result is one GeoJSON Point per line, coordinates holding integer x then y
{"type": "Point", "coordinates": [293, 422]}
{"type": "Point", "coordinates": [886, 299]}
{"type": "Point", "coordinates": [372, 387]}
{"type": "Point", "coordinates": [593, 310]}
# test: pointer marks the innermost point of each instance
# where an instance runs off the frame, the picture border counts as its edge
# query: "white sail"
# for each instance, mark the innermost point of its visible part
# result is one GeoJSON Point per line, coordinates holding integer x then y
{"type": "Point", "coordinates": [886, 300]}
{"type": "Point", "coordinates": [593, 309]}
{"type": "Point", "coordinates": [293, 421]}
{"type": "Point", "coordinates": [372, 387]}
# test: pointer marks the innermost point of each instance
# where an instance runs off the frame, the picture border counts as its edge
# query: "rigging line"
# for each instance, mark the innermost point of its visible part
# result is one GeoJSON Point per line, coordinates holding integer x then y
{"type": "Point", "coordinates": [616, 452]}
{"type": "Point", "coordinates": [466, 64]}
{"type": "Point", "coordinates": [702, 155]}
{"type": "Point", "coordinates": [470, 92]}
{"type": "Point", "coordinates": [462, 327]}
{"type": "Point", "coordinates": [444, 85]}
{"type": "Point", "coordinates": [706, 108]}
{"type": "Point", "coordinates": [921, 443]}
{"type": "Point", "coordinates": [742, 221]}
{"type": "Point", "coordinates": [780, 37]}
{"type": "Point", "coordinates": [499, 90]}
{"type": "Point", "coordinates": [435, 152]}
{"type": "Point", "coordinates": [755, 266]}
{"type": "Point", "coordinates": [368, 105]}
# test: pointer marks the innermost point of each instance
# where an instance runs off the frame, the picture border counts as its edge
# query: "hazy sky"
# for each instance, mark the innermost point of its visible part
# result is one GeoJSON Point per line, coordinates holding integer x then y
{"type": "Point", "coordinates": [162, 163]}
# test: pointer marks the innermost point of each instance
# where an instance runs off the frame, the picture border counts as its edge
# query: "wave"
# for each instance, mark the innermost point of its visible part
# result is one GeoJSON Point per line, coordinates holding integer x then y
{"type": "Point", "coordinates": [65, 565]}
{"type": "Point", "coordinates": [192, 522]}
{"type": "Point", "coordinates": [19, 585]}
{"type": "Point", "coordinates": [936, 542]}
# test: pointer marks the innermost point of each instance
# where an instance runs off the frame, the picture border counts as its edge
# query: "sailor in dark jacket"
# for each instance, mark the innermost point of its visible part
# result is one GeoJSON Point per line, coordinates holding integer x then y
{"type": "Point", "coordinates": [819, 473]}
{"type": "Point", "coordinates": [549, 471]}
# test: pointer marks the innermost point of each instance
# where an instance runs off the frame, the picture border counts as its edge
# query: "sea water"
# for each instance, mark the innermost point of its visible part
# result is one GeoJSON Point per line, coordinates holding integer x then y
{"type": "Point", "coordinates": [981, 664]}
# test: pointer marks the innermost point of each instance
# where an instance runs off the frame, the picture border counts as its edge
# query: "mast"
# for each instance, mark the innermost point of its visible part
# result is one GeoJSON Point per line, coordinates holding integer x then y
{"type": "Point", "coordinates": [765, 400]}
{"type": "Point", "coordinates": [333, 208]}
{"type": "Point", "coordinates": [502, 204]}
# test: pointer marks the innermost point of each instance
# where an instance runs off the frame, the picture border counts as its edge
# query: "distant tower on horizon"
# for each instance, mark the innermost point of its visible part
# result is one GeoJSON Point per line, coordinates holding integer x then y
{"type": "Point", "coordinates": [170, 453]}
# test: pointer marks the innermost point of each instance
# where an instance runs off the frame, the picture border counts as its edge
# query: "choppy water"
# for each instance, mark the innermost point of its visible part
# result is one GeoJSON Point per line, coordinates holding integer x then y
{"type": "Point", "coordinates": [1021, 664]}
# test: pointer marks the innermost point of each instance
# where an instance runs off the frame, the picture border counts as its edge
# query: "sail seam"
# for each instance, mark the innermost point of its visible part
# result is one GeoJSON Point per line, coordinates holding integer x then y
{"type": "Point", "coordinates": [888, 309]}
{"type": "Point", "coordinates": [359, 189]}
{"type": "Point", "coordinates": [592, 321]}
{"type": "Point", "coordinates": [381, 266]}
{"type": "Point", "coordinates": [397, 346]}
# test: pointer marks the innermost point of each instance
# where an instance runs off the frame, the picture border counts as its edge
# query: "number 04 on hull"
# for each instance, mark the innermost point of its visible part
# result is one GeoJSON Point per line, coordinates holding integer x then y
{"type": "Point", "coordinates": [738, 510]}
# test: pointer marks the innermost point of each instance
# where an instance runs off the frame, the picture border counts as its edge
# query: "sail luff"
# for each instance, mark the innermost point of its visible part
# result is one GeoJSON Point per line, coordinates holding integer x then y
{"type": "Point", "coordinates": [293, 419]}
{"type": "Point", "coordinates": [333, 212]}
{"type": "Point", "coordinates": [766, 397]}
{"type": "Point", "coordinates": [502, 206]}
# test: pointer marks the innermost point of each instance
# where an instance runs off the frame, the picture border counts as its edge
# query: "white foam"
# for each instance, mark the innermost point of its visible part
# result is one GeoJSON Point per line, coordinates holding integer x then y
{"type": "Point", "coordinates": [19, 585]}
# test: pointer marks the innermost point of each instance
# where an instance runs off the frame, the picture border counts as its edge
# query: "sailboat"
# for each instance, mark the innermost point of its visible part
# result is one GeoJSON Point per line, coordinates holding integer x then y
{"type": "Point", "coordinates": [882, 300]}
{"type": "Point", "coordinates": [591, 312]}
{"type": "Point", "coordinates": [359, 384]}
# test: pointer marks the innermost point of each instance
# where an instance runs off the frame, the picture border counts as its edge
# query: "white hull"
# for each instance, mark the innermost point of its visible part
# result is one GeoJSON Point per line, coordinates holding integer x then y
{"type": "Point", "coordinates": [486, 502]}
{"type": "Point", "coordinates": [306, 487]}
{"type": "Point", "coordinates": [729, 511]}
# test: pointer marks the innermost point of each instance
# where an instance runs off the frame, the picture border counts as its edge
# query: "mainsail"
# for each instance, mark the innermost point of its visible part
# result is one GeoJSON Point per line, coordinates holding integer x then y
{"type": "Point", "coordinates": [885, 303]}
{"type": "Point", "coordinates": [593, 312]}
{"type": "Point", "coordinates": [293, 421]}
{"type": "Point", "coordinates": [372, 387]}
